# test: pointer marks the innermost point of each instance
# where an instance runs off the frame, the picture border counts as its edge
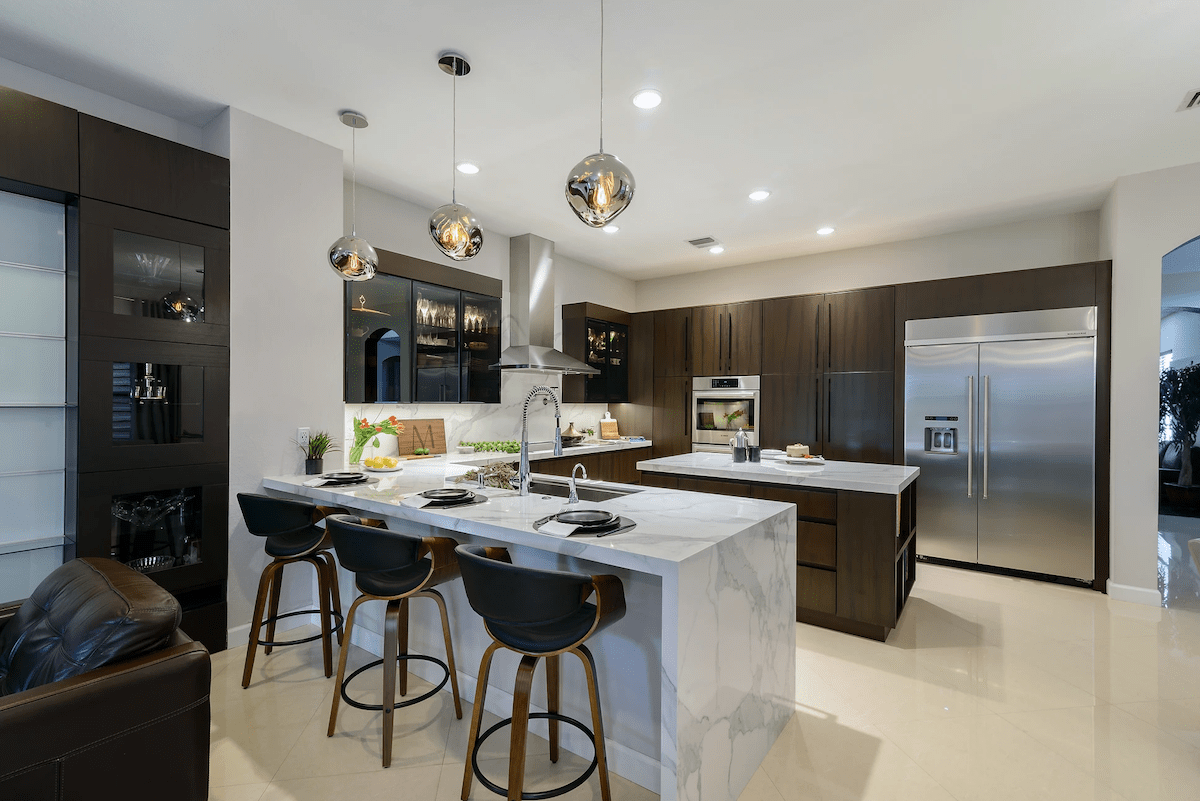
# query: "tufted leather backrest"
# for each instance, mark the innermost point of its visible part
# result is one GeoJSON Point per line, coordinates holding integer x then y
{"type": "Point", "coordinates": [84, 615]}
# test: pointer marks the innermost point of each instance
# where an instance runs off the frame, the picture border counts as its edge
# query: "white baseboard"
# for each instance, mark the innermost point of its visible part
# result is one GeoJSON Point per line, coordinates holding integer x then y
{"type": "Point", "coordinates": [1137, 595]}
{"type": "Point", "coordinates": [622, 760]}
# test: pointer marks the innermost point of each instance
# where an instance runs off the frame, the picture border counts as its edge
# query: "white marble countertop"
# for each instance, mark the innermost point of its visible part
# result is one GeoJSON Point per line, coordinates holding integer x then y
{"type": "Point", "coordinates": [672, 525]}
{"type": "Point", "coordinates": [883, 478]}
{"type": "Point", "coordinates": [535, 454]}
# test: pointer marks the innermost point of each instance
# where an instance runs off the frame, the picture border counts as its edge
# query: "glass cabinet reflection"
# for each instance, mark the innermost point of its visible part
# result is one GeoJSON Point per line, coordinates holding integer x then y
{"type": "Point", "coordinates": [607, 350]}
{"type": "Point", "coordinates": [436, 345]}
{"type": "Point", "coordinates": [155, 277]}
{"type": "Point", "coordinates": [378, 340]}
{"type": "Point", "coordinates": [157, 404]}
{"type": "Point", "coordinates": [481, 343]}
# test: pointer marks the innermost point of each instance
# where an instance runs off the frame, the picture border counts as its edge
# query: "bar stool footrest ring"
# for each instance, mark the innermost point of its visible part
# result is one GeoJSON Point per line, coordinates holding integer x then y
{"type": "Point", "coordinates": [401, 704]}
{"type": "Point", "coordinates": [541, 794]}
{"type": "Point", "coordinates": [280, 643]}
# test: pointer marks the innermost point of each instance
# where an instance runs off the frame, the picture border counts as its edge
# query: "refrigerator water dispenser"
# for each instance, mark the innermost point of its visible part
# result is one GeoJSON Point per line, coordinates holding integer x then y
{"type": "Point", "coordinates": [941, 440]}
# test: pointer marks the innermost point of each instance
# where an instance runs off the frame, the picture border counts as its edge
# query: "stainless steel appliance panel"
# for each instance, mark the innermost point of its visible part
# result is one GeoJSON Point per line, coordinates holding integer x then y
{"type": "Point", "coordinates": [720, 406]}
{"type": "Point", "coordinates": [1036, 426]}
{"type": "Point", "coordinates": [939, 389]}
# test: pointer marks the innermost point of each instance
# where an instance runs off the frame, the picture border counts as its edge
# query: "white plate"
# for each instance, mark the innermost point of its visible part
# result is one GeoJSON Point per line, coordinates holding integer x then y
{"type": "Point", "coordinates": [802, 460]}
{"type": "Point", "coordinates": [799, 468]}
{"type": "Point", "coordinates": [395, 469]}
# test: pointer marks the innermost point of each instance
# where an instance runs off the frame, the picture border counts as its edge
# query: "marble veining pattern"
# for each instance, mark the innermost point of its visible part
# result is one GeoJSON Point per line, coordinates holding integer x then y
{"type": "Point", "coordinates": [727, 650]}
{"type": "Point", "coordinates": [884, 478]}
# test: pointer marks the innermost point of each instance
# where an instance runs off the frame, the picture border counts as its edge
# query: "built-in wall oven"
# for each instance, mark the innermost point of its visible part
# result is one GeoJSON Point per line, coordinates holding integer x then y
{"type": "Point", "coordinates": [720, 406]}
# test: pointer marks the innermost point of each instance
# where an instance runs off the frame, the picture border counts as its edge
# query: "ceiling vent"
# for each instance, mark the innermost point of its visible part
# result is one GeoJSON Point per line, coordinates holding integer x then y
{"type": "Point", "coordinates": [703, 242]}
{"type": "Point", "coordinates": [1190, 100]}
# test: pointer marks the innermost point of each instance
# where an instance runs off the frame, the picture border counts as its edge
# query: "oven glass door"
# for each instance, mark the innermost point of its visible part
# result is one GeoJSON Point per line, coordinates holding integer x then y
{"type": "Point", "coordinates": [718, 414]}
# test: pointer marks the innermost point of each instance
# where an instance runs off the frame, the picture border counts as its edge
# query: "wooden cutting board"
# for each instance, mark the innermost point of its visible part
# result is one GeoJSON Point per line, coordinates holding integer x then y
{"type": "Point", "coordinates": [429, 434]}
{"type": "Point", "coordinates": [608, 429]}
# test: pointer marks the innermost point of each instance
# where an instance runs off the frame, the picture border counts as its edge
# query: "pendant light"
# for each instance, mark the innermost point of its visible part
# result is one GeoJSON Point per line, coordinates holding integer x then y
{"type": "Point", "coordinates": [352, 257]}
{"type": "Point", "coordinates": [179, 304]}
{"type": "Point", "coordinates": [453, 227]}
{"type": "Point", "coordinates": [600, 187]}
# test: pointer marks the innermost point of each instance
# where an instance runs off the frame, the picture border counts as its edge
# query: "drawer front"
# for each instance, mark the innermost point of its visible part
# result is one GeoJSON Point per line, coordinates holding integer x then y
{"type": "Point", "coordinates": [816, 589]}
{"type": "Point", "coordinates": [715, 487]}
{"type": "Point", "coordinates": [810, 504]}
{"type": "Point", "coordinates": [816, 543]}
{"type": "Point", "coordinates": [664, 480]}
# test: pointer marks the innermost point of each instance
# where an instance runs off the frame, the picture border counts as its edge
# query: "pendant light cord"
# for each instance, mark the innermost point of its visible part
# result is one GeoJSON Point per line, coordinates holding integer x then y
{"type": "Point", "coordinates": [353, 180]}
{"type": "Point", "coordinates": [454, 137]}
{"type": "Point", "coordinates": [602, 76]}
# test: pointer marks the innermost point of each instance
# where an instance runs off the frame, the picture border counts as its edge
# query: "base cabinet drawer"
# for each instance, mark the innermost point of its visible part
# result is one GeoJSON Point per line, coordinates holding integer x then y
{"type": "Point", "coordinates": [816, 544]}
{"type": "Point", "coordinates": [816, 589]}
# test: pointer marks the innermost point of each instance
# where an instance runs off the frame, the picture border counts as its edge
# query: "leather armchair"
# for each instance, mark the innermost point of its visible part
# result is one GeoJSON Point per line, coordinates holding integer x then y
{"type": "Point", "coordinates": [135, 727]}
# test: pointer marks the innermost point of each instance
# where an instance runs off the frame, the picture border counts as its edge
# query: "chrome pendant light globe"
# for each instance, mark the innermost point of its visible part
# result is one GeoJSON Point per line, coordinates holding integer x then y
{"type": "Point", "coordinates": [353, 258]}
{"type": "Point", "coordinates": [599, 188]}
{"type": "Point", "coordinates": [453, 227]}
{"type": "Point", "coordinates": [180, 306]}
{"type": "Point", "coordinates": [455, 231]}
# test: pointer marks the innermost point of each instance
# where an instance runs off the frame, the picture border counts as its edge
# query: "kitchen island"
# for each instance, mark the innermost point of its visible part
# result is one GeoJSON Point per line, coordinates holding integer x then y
{"type": "Point", "coordinates": [856, 547]}
{"type": "Point", "coordinates": [698, 679]}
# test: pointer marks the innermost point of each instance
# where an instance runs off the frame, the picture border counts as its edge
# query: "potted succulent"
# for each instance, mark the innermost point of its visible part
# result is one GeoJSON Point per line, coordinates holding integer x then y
{"type": "Point", "coordinates": [365, 432]}
{"type": "Point", "coordinates": [319, 444]}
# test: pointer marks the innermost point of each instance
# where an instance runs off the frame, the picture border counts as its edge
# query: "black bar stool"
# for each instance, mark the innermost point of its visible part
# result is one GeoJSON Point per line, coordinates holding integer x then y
{"type": "Point", "coordinates": [292, 535]}
{"type": "Point", "coordinates": [539, 614]}
{"type": "Point", "coordinates": [393, 566]}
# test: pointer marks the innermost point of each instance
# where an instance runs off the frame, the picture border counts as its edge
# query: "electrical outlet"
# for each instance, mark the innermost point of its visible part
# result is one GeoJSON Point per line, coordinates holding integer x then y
{"type": "Point", "coordinates": [302, 437]}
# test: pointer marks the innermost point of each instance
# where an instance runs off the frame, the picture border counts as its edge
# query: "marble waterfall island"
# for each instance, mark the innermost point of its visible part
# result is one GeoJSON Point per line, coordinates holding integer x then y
{"type": "Point", "coordinates": [698, 679]}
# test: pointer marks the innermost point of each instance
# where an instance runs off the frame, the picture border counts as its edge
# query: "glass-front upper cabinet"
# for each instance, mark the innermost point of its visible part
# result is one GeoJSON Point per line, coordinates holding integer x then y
{"type": "Point", "coordinates": [481, 346]}
{"type": "Point", "coordinates": [145, 276]}
{"type": "Point", "coordinates": [607, 350]}
{"type": "Point", "coordinates": [437, 345]}
{"type": "Point", "coordinates": [378, 344]}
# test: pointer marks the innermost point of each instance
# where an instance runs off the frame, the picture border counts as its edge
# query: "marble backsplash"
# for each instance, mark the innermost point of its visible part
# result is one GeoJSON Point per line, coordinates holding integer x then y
{"type": "Point", "coordinates": [483, 422]}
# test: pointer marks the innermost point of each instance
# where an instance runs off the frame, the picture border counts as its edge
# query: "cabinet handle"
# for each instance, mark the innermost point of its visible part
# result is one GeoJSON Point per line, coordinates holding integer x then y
{"type": "Point", "coordinates": [720, 343]}
{"type": "Point", "coordinates": [687, 416]}
{"type": "Point", "coordinates": [687, 345]}
{"type": "Point", "coordinates": [987, 439]}
{"type": "Point", "coordinates": [729, 352]}
{"type": "Point", "coordinates": [817, 421]}
{"type": "Point", "coordinates": [828, 411]}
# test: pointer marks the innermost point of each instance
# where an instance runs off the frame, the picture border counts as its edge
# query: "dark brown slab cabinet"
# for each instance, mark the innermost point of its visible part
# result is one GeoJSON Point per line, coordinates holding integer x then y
{"type": "Point", "coordinates": [727, 339]}
{"type": "Point", "coordinates": [855, 551]}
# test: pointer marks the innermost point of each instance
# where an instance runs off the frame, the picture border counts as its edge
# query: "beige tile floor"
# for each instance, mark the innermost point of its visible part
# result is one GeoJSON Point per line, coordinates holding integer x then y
{"type": "Point", "coordinates": [991, 688]}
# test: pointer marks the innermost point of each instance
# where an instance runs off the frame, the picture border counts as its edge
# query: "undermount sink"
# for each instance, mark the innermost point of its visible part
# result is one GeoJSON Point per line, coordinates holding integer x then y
{"type": "Point", "coordinates": [562, 489]}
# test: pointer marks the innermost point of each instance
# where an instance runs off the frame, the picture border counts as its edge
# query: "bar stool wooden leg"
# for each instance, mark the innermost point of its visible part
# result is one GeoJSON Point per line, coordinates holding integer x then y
{"type": "Point", "coordinates": [520, 727]}
{"type": "Point", "coordinates": [335, 592]}
{"type": "Point", "coordinates": [391, 631]}
{"type": "Point", "coordinates": [552, 685]}
{"type": "Point", "coordinates": [273, 607]}
{"type": "Point", "coordinates": [589, 667]}
{"type": "Point", "coordinates": [323, 592]}
{"type": "Point", "coordinates": [402, 646]}
{"type": "Point", "coordinates": [485, 669]}
{"type": "Point", "coordinates": [341, 674]}
{"type": "Point", "coordinates": [260, 602]}
{"type": "Point", "coordinates": [437, 596]}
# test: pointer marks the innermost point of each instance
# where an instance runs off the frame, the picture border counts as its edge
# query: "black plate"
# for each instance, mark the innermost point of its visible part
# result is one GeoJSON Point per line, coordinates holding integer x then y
{"type": "Point", "coordinates": [447, 494]}
{"type": "Point", "coordinates": [344, 478]}
{"type": "Point", "coordinates": [587, 518]}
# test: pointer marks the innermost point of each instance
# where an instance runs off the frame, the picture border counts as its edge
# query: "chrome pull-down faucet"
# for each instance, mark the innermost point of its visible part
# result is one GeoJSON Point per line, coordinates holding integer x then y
{"type": "Point", "coordinates": [523, 473]}
{"type": "Point", "coordinates": [574, 496]}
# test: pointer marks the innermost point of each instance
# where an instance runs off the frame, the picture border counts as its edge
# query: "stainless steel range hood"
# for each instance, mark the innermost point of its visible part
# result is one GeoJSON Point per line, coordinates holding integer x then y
{"type": "Point", "coordinates": [531, 311]}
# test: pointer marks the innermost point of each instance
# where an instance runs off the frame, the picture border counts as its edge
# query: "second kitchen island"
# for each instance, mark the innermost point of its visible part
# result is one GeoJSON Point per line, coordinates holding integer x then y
{"type": "Point", "coordinates": [856, 546]}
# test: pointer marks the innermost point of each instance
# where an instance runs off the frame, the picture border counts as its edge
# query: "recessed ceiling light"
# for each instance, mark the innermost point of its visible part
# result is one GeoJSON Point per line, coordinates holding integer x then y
{"type": "Point", "coordinates": [716, 250]}
{"type": "Point", "coordinates": [759, 195]}
{"type": "Point", "coordinates": [647, 99]}
{"type": "Point", "coordinates": [467, 168]}
{"type": "Point", "coordinates": [826, 231]}
{"type": "Point", "coordinates": [610, 229]}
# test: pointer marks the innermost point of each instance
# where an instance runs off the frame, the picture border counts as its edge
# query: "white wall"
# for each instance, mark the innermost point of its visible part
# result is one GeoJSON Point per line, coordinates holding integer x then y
{"type": "Point", "coordinates": [1146, 216]}
{"type": "Point", "coordinates": [1180, 334]}
{"type": "Point", "coordinates": [1063, 239]}
{"type": "Point", "coordinates": [285, 328]}
{"type": "Point", "coordinates": [39, 84]}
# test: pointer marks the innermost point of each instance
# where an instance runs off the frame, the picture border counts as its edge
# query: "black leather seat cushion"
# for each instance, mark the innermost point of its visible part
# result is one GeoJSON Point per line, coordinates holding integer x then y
{"type": "Point", "coordinates": [545, 637]}
{"type": "Point", "coordinates": [86, 614]}
{"type": "Point", "coordinates": [295, 543]}
{"type": "Point", "coordinates": [388, 583]}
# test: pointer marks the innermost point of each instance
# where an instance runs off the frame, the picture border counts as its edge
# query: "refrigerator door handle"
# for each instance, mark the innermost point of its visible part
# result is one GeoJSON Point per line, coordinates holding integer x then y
{"type": "Point", "coordinates": [987, 440]}
{"type": "Point", "coordinates": [970, 434]}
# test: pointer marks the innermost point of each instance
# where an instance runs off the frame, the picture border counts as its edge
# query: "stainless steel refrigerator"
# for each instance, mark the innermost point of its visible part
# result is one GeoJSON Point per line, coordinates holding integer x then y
{"type": "Point", "coordinates": [999, 414]}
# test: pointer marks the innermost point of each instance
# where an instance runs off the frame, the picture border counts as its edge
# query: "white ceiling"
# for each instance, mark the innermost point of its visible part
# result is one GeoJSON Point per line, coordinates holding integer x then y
{"type": "Point", "coordinates": [886, 120]}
